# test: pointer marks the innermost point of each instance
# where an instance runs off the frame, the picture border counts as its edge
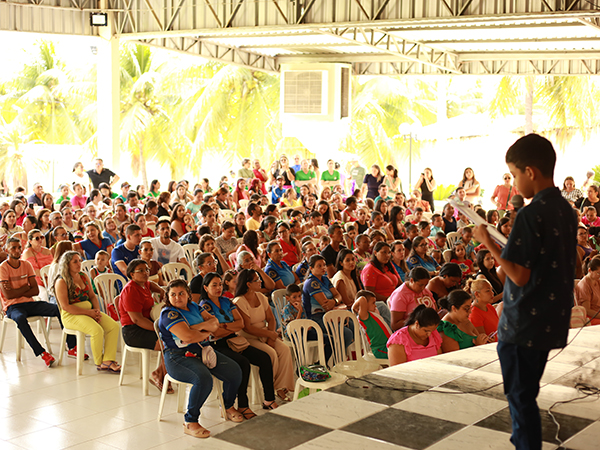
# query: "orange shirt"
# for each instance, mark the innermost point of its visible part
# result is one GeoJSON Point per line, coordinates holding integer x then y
{"type": "Point", "coordinates": [17, 278]}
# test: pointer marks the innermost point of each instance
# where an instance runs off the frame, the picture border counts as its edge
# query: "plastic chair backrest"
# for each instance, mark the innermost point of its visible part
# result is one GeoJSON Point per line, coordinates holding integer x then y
{"type": "Point", "coordinates": [364, 341]}
{"type": "Point", "coordinates": [44, 276]}
{"type": "Point", "coordinates": [86, 266]}
{"type": "Point", "coordinates": [151, 226]}
{"type": "Point", "coordinates": [451, 238]}
{"type": "Point", "coordinates": [190, 250]}
{"type": "Point", "coordinates": [447, 255]}
{"type": "Point", "coordinates": [278, 297]}
{"type": "Point", "coordinates": [227, 214]}
{"type": "Point", "coordinates": [157, 331]}
{"type": "Point", "coordinates": [107, 286]}
{"type": "Point", "coordinates": [298, 332]}
{"type": "Point", "coordinates": [334, 322]}
{"type": "Point", "coordinates": [244, 203]}
{"type": "Point", "coordinates": [174, 271]}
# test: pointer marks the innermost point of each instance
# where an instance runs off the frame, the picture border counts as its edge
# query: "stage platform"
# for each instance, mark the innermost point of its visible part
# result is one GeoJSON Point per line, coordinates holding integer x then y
{"type": "Point", "coordinates": [56, 409]}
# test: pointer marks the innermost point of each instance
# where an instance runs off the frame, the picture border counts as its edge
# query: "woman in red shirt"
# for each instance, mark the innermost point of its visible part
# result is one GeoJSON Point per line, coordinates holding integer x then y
{"type": "Point", "coordinates": [291, 250]}
{"type": "Point", "coordinates": [135, 304]}
{"type": "Point", "coordinates": [380, 276]}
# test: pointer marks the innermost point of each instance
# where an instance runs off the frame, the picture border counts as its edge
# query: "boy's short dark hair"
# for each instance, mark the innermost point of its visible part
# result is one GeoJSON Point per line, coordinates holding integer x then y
{"type": "Point", "coordinates": [365, 293]}
{"type": "Point", "coordinates": [411, 227]}
{"type": "Point", "coordinates": [292, 289]}
{"type": "Point", "coordinates": [423, 224]}
{"type": "Point", "coordinates": [533, 150]}
{"type": "Point", "coordinates": [315, 214]}
{"type": "Point", "coordinates": [419, 209]}
{"type": "Point", "coordinates": [435, 216]}
{"type": "Point", "coordinates": [440, 234]}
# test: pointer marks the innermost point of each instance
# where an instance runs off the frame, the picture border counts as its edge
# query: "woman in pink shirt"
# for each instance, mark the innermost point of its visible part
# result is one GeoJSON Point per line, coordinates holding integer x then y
{"type": "Point", "coordinates": [78, 201]}
{"type": "Point", "coordinates": [587, 291]}
{"type": "Point", "coordinates": [418, 339]}
{"type": "Point", "coordinates": [408, 296]}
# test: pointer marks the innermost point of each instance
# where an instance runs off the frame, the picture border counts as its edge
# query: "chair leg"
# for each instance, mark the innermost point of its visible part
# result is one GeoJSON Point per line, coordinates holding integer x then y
{"type": "Point", "coordinates": [297, 389]}
{"type": "Point", "coordinates": [123, 361]}
{"type": "Point", "coordinates": [218, 388]}
{"type": "Point", "coordinates": [19, 344]}
{"type": "Point", "coordinates": [163, 395]}
{"type": "Point", "coordinates": [2, 333]}
{"type": "Point", "coordinates": [46, 335]}
{"type": "Point", "coordinates": [180, 396]}
{"type": "Point", "coordinates": [63, 343]}
{"type": "Point", "coordinates": [145, 371]}
{"type": "Point", "coordinates": [80, 351]}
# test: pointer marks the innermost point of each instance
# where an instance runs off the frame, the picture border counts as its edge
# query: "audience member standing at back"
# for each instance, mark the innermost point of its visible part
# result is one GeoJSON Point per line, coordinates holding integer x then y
{"type": "Point", "coordinates": [100, 174]}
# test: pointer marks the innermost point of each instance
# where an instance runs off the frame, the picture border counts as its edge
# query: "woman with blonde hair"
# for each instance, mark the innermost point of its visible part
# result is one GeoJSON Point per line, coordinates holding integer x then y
{"type": "Point", "coordinates": [80, 310]}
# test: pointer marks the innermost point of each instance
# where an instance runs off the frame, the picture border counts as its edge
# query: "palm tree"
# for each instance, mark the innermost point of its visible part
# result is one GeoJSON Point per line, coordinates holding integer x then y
{"type": "Point", "coordinates": [379, 106]}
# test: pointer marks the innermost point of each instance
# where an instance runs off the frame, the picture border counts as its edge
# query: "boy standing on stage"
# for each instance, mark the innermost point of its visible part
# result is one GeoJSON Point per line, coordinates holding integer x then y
{"type": "Point", "coordinates": [539, 262]}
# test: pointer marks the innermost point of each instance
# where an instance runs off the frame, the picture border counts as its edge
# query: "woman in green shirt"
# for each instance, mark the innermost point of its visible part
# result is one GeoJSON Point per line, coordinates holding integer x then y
{"type": "Point", "coordinates": [456, 329]}
{"type": "Point", "coordinates": [330, 177]}
{"type": "Point", "coordinates": [154, 190]}
{"type": "Point", "coordinates": [306, 177]}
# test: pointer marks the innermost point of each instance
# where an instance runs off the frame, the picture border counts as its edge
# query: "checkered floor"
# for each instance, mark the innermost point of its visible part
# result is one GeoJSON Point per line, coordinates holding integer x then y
{"type": "Point", "coordinates": [434, 406]}
{"type": "Point", "coordinates": [56, 409]}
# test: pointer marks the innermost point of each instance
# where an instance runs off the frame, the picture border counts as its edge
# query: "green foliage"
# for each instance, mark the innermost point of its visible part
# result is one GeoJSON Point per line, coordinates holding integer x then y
{"type": "Point", "coordinates": [596, 174]}
{"type": "Point", "coordinates": [442, 192]}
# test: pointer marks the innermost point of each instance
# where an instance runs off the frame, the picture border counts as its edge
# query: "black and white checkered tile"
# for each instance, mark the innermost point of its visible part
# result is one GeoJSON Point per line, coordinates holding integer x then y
{"type": "Point", "coordinates": [432, 404]}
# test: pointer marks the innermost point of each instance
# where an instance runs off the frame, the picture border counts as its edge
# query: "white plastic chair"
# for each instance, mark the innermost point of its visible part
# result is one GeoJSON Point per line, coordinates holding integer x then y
{"type": "Point", "coordinates": [86, 266]}
{"type": "Point", "coordinates": [182, 386]}
{"type": "Point", "coordinates": [298, 331]}
{"type": "Point", "coordinates": [44, 276]}
{"type": "Point", "coordinates": [368, 353]}
{"type": "Point", "coordinates": [5, 320]}
{"type": "Point", "coordinates": [145, 354]}
{"type": "Point", "coordinates": [447, 254]}
{"type": "Point", "coordinates": [244, 203]}
{"type": "Point", "coordinates": [80, 347]}
{"type": "Point", "coordinates": [451, 239]}
{"type": "Point", "coordinates": [151, 226]}
{"type": "Point", "coordinates": [189, 250]}
{"type": "Point", "coordinates": [174, 271]}
{"type": "Point", "coordinates": [227, 214]}
{"type": "Point", "coordinates": [334, 324]}
{"type": "Point", "coordinates": [106, 284]}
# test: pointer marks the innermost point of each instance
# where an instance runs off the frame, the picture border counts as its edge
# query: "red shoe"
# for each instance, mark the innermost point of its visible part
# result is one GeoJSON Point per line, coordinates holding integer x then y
{"type": "Point", "coordinates": [48, 359]}
{"type": "Point", "coordinates": [72, 353]}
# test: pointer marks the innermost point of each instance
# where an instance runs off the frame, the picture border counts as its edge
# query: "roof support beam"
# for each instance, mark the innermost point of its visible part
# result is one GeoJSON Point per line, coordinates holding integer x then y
{"type": "Point", "coordinates": [403, 49]}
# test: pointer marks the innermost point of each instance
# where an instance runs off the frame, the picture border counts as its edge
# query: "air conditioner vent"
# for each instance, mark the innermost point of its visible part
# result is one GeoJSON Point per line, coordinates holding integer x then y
{"type": "Point", "coordinates": [303, 92]}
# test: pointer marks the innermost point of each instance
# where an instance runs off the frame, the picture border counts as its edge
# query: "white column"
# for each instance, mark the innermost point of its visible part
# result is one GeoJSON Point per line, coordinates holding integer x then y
{"type": "Point", "coordinates": [108, 100]}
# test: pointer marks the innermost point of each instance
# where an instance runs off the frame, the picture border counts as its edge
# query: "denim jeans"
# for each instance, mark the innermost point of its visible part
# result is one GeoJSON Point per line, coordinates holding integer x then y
{"type": "Point", "coordinates": [192, 370]}
{"type": "Point", "coordinates": [21, 311]}
{"type": "Point", "coordinates": [522, 369]}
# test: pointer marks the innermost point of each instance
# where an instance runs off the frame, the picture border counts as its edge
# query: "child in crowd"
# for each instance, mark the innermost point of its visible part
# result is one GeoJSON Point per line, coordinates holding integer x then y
{"type": "Point", "coordinates": [293, 309]}
{"type": "Point", "coordinates": [591, 218]}
{"type": "Point", "coordinates": [101, 266]}
{"type": "Point", "coordinates": [350, 235]}
{"type": "Point", "coordinates": [140, 221]}
{"type": "Point", "coordinates": [437, 224]}
{"type": "Point", "coordinates": [362, 252]}
{"type": "Point", "coordinates": [229, 283]}
{"type": "Point", "coordinates": [466, 235]}
{"type": "Point", "coordinates": [315, 225]}
{"type": "Point", "coordinates": [417, 216]}
{"type": "Point", "coordinates": [462, 221]}
{"type": "Point", "coordinates": [440, 241]}
{"type": "Point", "coordinates": [377, 222]}
{"type": "Point", "coordinates": [483, 315]}
{"type": "Point", "coordinates": [374, 326]}
{"type": "Point", "coordinates": [459, 257]}
{"type": "Point", "coordinates": [437, 256]}
{"type": "Point", "coordinates": [324, 241]}
{"type": "Point", "coordinates": [425, 231]}
{"type": "Point", "coordinates": [362, 224]}
{"type": "Point", "coordinates": [448, 219]}
{"type": "Point", "coordinates": [411, 206]}
{"type": "Point", "coordinates": [412, 231]}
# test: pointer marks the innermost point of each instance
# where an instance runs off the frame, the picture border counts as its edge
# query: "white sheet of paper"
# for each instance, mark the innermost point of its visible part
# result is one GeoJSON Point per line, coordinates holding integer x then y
{"type": "Point", "coordinates": [478, 220]}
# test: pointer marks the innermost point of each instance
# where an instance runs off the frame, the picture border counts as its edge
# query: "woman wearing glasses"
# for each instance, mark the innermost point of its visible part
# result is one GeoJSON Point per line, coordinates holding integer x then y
{"type": "Point", "coordinates": [503, 193]}
{"type": "Point", "coordinates": [419, 258]}
{"type": "Point", "coordinates": [38, 256]}
{"type": "Point", "coordinates": [135, 304]}
{"type": "Point", "coordinates": [227, 342]}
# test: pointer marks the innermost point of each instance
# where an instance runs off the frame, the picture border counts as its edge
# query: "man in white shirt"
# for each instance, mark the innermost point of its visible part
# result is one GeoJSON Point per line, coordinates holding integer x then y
{"type": "Point", "coordinates": [165, 249]}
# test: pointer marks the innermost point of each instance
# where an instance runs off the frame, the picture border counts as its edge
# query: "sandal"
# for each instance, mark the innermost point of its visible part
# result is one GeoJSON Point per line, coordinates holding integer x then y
{"type": "Point", "coordinates": [283, 394]}
{"type": "Point", "coordinates": [199, 433]}
{"type": "Point", "coordinates": [270, 405]}
{"type": "Point", "coordinates": [110, 367]}
{"type": "Point", "coordinates": [247, 413]}
{"type": "Point", "coordinates": [158, 385]}
{"type": "Point", "coordinates": [233, 415]}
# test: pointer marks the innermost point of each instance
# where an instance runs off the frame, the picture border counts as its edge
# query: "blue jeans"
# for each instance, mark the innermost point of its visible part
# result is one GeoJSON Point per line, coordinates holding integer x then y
{"type": "Point", "coordinates": [21, 311]}
{"type": "Point", "coordinates": [192, 370]}
{"type": "Point", "coordinates": [522, 369]}
{"type": "Point", "coordinates": [312, 335]}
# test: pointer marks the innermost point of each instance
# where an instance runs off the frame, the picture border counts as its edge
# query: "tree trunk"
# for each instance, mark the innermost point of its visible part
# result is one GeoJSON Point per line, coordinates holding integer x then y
{"type": "Point", "coordinates": [528, 105]}
{"type": "Point", "coordinates": [143, 165]}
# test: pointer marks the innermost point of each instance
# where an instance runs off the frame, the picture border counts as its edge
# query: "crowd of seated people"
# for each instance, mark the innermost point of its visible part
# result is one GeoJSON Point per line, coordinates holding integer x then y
{"type": "Point", "coordinates": [408, 268]}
